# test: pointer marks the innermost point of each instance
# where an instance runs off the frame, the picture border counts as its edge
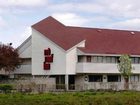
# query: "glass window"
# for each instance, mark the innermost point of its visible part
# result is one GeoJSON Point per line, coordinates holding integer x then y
{"type": "Point", "coordinates": [136, 60]}
{"type": "Point", "coordinates": [80, 59]}
{"type": "Point", "coordinates": [60, 82]}
{"type": "Point", "coordinates": [108, 60]}
{"type": "Point", "coordinates": [100, 59]}
{"type": "Point", "coordinates": [95, 59]}
{"type": "Point", "coordinates": [117, 59]}
{"type": "Point", "coordinates": [26, 61]}
{"type": "Point", "coordinates": [88, 58]}
{"type": "Point", "coordinates": [104, 59]}
{"type": "Point", "coordinates": [139, 60]}
{"type": "Point", "coordinates": [114, 78]}
{"type": "Point", "coordinates": [113, 60]}
{"type": "Point", "coordinates": [132, 60]}
{"type": "Point", "coordinates": [95, 78]}
{"type": "Point", "coordinates": [134, 78]}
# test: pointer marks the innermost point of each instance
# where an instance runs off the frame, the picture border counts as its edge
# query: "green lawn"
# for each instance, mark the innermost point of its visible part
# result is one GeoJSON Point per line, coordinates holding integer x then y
{"type": "Point", "coordinates": [78, 98]}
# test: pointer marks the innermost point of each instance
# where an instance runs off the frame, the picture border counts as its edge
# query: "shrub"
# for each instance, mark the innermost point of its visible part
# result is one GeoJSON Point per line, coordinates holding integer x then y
{"type": "Point", "coordinates": [6, 88]}
{"type": "Point", "coordinates": [72, 98]}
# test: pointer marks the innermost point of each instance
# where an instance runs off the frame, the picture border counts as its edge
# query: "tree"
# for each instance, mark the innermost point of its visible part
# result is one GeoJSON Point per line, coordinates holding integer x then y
{"type": "Point", "coordinates": [9, 58]}
{"type": "Point", "coordinates": [125, 68]}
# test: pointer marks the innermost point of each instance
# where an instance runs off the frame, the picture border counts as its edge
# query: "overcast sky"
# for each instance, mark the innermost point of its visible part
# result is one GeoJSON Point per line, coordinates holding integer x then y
{"type": "Point", "coordinates": [16, 16]}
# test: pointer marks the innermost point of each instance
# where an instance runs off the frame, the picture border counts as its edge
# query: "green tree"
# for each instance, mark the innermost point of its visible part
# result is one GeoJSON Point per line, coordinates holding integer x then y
{"type": "Point", "coordinates": [125, 68]}
{"type": "Point", "coordinates": [9, 58]}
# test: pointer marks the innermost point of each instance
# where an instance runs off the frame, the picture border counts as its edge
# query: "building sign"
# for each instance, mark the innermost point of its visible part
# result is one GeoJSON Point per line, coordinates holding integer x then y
{"type": "Point", "coordinates": [48, 59]}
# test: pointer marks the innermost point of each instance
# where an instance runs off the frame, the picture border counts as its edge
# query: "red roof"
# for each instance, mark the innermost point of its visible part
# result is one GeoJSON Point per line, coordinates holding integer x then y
{"type": "Point", "coordinates": [98, 41]}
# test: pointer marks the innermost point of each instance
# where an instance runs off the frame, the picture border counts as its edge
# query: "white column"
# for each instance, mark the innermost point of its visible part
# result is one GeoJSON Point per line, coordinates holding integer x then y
{"type": "Point", "coordinates": [33, 77]}
{"type": "Point", "coordinates": [122, 79]}
{"type": "Point", "coordinates": [104, 78]}
{"type": "Point", "coordinates": [67, 81]}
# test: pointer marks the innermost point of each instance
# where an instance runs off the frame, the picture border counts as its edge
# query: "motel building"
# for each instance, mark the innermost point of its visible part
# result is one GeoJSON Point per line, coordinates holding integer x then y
{"type": "Point", "coordinates": [78, 58]}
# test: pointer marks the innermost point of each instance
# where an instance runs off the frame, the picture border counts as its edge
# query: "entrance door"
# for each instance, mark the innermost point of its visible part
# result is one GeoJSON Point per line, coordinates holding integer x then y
{"type": "Point", "coordinates": [71, 82]}
{"type": "Point", "coordinates": [60, 82]}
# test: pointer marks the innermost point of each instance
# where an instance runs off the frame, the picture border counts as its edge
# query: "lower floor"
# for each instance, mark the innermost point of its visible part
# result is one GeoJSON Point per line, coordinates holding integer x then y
{"type": "Point", "coordinates": [95, 81]}
{"type": "Point", "coordinates": [81, 82]}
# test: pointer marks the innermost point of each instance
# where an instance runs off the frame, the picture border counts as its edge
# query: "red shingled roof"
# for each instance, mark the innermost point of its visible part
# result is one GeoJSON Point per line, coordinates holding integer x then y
{"type": "Point", "coordinates": [99, 41]}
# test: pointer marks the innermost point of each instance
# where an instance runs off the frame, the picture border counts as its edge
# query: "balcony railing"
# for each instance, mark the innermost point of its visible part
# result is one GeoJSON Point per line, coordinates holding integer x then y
{"type": "Point", "coordinates": [86, 67]}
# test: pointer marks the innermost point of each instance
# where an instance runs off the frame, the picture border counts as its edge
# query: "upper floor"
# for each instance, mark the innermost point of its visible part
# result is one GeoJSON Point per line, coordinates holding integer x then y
{"type": "Point", "coordinates": [103, 64]}
{"type": "Point", "coordinates": [103, 59]}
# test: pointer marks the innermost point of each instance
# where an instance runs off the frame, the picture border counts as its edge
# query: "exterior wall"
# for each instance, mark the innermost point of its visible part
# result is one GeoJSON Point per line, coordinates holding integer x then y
{"type": "Point", "coordinates": [111, 86]}
{"type": "Point", "coordinates": [102, 68]}
{"type": "Point", "coordinates": [83, 84]}
{"type": "Point", "coordinates": [25, 50]}
{"type": "Point", "coordinates": [24, 69]}
{"type": "Point", "coordinates": [36, 85]}
{"type": "Point", "coordinates": [39, 43]}
{"type": "Point", "coordinates": [105, 85]}
{"type": "Point", "coordinates": [47, 80]}
{"type": "Point", "coordinates": [71, 58]}
{"type": "Point", "coordinates": [79, 82]}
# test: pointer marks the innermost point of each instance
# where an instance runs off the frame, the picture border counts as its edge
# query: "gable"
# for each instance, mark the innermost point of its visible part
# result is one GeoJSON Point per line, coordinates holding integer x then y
{"type": "Point", "coordinates": [24, 49]}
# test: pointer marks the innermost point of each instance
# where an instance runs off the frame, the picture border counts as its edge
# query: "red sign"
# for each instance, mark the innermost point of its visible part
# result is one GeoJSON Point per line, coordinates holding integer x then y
{"type": "Point", "coordinates": [48, 59]}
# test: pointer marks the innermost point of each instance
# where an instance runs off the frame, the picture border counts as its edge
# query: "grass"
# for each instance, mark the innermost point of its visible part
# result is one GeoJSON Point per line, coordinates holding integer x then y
{"type": "Point", "coordinates": [77, 98]}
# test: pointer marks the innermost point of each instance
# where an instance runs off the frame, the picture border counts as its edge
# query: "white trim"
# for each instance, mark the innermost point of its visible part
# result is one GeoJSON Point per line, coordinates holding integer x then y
{"type": "Point", "coordinates": [26, 41]}
{"type": "Point", "coordinates": [83, 41]}
{"type": "Point", "coordinates": [22, 44]}
{"type": "Point", "coordinates": [79, 52]}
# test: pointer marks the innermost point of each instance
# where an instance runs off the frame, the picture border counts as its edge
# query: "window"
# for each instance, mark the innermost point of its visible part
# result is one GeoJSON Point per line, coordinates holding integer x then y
{"type": "Point", "coordinates": [117, 59]}
{"type": "Point", "coordinates": [95, 78]}
{"type": "Point", "coordinates": [104, 59]}
{"type": "Point", "coordinates": [114, 78]}
{"type": "Point", "coordinates": [132, 60]}
{"type": "Point", "coordinates": [134, 78]}
{"type": "Point", "coordinates": [138, 60]}
{"type": "Point", "coordinates": [113, 60]}
{"type": "Point", "coordinates": [88, 58]}
{"type": "Point", "coordinates": [99, 59]}
{"type": "Point", "coordinates": [60, 82]}
{"type": "Point", "coordinates": [95, 59]}
{"type": "Point", "coordinates": [80, 59]}
{"type": "Point", "coordinates": [135, 60]}
{"type": "Point", "coordinates": [108, 60]}
{"type": "Point", "coordinates": [26, 61]}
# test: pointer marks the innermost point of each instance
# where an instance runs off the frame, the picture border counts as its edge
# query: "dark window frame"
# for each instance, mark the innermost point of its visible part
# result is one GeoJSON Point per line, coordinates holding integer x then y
{"type": "Point", "coordinates": [95, 78]}
{"type": "Point", "coordinates": [113, 78]}
{"type": "Point", "coordinates": [88, 58]}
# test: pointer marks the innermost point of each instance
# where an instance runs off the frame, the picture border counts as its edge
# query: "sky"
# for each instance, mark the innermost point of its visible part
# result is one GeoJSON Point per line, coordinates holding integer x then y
{"type": "Point", "coordinates": [17, 16]}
